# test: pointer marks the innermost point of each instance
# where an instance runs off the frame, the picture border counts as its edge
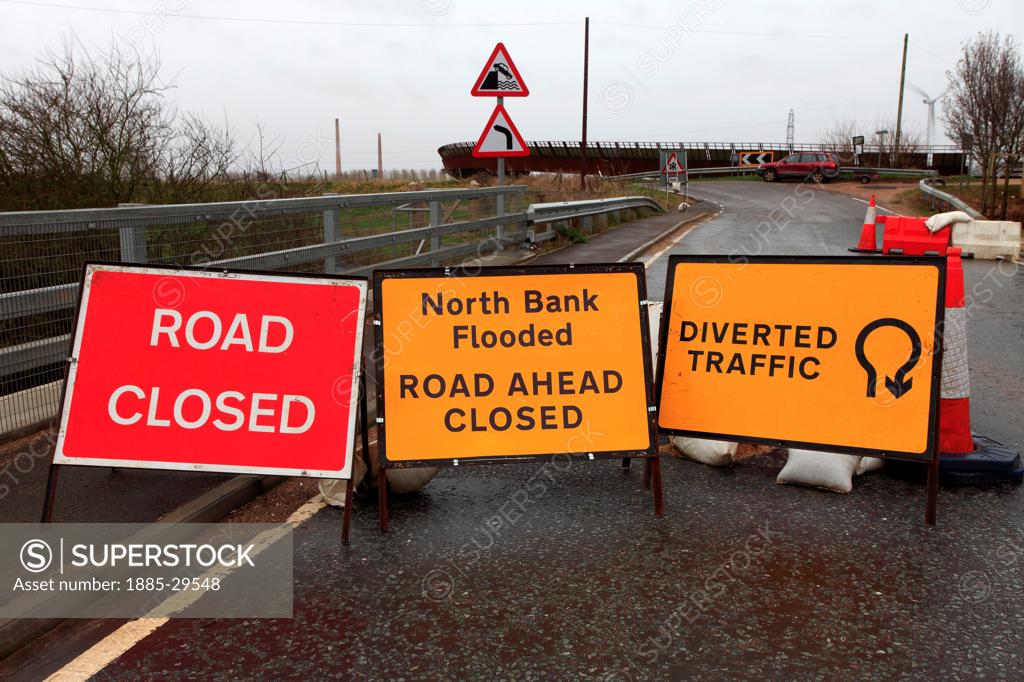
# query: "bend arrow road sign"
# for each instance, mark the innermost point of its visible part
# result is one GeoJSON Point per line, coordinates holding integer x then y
{"type": "Point", "coordinates": [500, 137]}
{"type": "Point", "coordinates": [755, 158]}
{"type": "Point", "coordinates": [827, 353]}
{"type": "Point", "coordinates": [203, 370]}
{"type": "Point", "coordinates": [500, 77]}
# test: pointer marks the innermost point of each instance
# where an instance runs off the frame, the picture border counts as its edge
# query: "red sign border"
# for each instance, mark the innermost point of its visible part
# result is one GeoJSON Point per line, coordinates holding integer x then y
{"type": "Point", "coordinates": [515, 131]}
{"type": "Point", "coordinates": [67, 392]}
{"type": "Point", "coordinates": [476, 92]}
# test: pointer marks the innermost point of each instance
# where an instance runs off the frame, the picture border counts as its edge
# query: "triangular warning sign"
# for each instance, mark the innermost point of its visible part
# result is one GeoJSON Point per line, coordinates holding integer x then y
{"type": "Point", "coordinates": [500, 77]}
{"type": "Point", "coordinates": [500, 137]}
{"type": "Point", "coordinates": [672, 165]}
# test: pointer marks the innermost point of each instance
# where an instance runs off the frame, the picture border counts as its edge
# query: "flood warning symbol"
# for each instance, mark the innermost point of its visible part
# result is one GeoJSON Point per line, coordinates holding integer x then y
{"type": "Point", "coordinates": [500, 77]}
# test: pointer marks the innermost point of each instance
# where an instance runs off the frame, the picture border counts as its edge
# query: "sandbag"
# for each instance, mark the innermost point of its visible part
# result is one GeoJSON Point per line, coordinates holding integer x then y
{"type": "Point", "coordinates": [716, 453]}
{"type": "Point", "coordinates": [869, 464]}
{"type": "Point", "coordinates": [333, 489]}
{"type": "Point", "coordinates": [403, 481]}
{"type": "Point", "coordinates": [941, 220]}
{"type": "Point", "coordinates": [825, 470]}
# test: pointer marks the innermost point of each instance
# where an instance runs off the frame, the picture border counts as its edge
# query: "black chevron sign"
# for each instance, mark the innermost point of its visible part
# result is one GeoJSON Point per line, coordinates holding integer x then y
{"type": "Point", "coordinates": [756, 158]}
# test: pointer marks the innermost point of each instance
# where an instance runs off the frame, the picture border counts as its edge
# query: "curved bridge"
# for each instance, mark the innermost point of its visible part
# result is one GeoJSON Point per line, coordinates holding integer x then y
{"type": "Point", "coordinates": [620, 158]}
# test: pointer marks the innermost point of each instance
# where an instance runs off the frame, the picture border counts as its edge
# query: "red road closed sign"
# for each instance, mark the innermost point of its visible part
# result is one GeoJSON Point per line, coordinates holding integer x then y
{"type": "Point", "coordinates": [213, 371]}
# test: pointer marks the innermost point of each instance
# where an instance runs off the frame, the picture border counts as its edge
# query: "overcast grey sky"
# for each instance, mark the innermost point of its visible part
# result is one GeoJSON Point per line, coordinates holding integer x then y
{"type": "Point", "coordinates": [683, 70]}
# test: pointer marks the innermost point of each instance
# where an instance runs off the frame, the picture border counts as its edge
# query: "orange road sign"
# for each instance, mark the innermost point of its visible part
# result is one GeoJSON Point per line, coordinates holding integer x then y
{"type": "Point", "coordinates": [513, 363]}
{"type": "Point", "coordinates": [829, 353]}
{"type": "Point", "coordinates": [755, 158]}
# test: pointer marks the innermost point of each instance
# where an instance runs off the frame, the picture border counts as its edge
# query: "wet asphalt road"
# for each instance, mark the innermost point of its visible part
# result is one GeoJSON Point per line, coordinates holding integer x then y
{"type": "Point", "coordinates": [795, 219]}
{"type": "Point", "coordinates": [742, 578]}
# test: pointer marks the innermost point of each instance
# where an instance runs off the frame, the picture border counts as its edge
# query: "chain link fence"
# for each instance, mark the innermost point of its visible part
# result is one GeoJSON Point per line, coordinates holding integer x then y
{"type": "Point", "coordinates": [42, 253]}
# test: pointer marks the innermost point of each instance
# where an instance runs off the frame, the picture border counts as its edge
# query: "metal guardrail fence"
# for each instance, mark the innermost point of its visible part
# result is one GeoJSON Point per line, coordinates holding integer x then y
{"type": "Point", "coordinates": [938, 196]}
{"type": "Point", "coordinates": [692, 172]}
{"type": "Point", "coordinates": [41, 256]}
{"type": "Point", "coordinates": [567, 210]}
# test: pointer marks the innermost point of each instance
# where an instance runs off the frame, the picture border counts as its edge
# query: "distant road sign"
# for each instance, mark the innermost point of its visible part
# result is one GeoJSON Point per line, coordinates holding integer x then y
{"type": "Point", "coordinates": [756, 158]}
{"type": "Point", "coordinates": [831, 353]}
{"type": "Point", "coordinates": [213, 370]}
{"type": "Point", "coordinates": [672, 165]}
{"type": "Point", "coordinates": [500, 137]}
{"type": "Point", "coordinates": [500, 77]}
{"type": "Point", "coordinates": [858, 140]}
{"type": "Point", "coordinates": [513, 363]}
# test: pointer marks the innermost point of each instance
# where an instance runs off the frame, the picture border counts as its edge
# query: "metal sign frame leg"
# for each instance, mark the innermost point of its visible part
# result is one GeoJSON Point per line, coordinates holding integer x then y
{"type": "Point", "coordinates": [652, 482]}
{"type": "Point", "coordinates": [382, 495]}
{"type": "Point", "coordinates": [932, 501]}
{"type": "Point", "coordinates": [933, 491]}
{"type": "Point", "coordinates": [364, 435]}
{"type": "Point", "coordinates": [659, 495]}
{"type": "Point", "coordinates": [346, 518]}
{"type": "Point", "coordinates": [50, 497]}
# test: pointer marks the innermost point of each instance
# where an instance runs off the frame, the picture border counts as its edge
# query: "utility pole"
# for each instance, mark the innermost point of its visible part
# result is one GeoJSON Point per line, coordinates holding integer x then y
{"type": "Point", "coordinates": [337, 149]}
{"type": "Point", "coordinates": [899, 107]}
{"type": "Point", "coordinates": [586, 64]}
{"type": "Point", "coordinates": [380, 159]}
{"type": "Point", "coordinates": [500, 199]}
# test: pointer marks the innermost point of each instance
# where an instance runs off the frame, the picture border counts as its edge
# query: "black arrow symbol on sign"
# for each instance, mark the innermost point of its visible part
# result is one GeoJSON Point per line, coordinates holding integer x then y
{"type": "Point", "coordinates": [508, 135]}
{"type": "Point", "coordinates": [899, 385]}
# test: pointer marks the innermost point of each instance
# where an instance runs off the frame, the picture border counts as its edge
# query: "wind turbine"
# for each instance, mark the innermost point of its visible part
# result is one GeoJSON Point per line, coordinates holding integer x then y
{"type": "Point", "coordinates": [930, 101]}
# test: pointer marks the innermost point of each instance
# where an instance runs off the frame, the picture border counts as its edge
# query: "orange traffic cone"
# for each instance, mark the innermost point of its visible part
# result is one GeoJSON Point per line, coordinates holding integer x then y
{"type": "Point", "coordinates": [965, 458]}
{"type": "Point", "coordinates": [867, 242]}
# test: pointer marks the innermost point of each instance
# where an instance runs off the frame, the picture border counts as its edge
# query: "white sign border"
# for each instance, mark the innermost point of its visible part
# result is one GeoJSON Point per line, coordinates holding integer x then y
{"type": "Point", "coordinates": [91, 268]}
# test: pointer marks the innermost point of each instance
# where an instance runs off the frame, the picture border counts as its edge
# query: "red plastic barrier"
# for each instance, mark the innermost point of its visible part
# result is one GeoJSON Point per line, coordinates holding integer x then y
{"type": "Point", "coordinates": [909, 237]}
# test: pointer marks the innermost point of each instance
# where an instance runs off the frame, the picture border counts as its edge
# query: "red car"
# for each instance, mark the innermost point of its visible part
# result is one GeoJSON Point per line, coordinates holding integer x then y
{"type": "Point", "coordinates": [816, 166]}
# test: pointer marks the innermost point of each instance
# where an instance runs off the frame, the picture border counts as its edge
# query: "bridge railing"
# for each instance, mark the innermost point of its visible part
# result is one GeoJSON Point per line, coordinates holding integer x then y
{"type": "Point", "coordinates": [42, 252]}
{"type": "Point", "coordinates": [596, 146]}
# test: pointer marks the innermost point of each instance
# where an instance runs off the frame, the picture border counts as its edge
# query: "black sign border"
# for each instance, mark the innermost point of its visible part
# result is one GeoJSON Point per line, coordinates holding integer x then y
{"type": "Point", "coordinates": [931, 448]}
{"type": "Point", "coordinates": [636, 269]}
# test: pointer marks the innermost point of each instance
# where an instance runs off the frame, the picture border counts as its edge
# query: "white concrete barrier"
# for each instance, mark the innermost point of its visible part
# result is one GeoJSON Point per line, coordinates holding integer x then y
{"type": "Point", "coordinates": [988, 238]}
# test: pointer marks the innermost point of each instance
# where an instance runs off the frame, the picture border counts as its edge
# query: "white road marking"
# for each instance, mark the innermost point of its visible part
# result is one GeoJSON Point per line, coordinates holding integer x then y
{"type": "Point", "coordinates": [878, 206]}
{"type": "Point", "coordinates": [672, 244]}
{"type": "Point", "coordinates": [121, 640]}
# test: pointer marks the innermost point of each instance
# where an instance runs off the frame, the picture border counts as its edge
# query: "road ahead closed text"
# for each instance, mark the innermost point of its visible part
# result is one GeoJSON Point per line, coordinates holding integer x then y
{"type": "Point", "coordinates": [525, 364]}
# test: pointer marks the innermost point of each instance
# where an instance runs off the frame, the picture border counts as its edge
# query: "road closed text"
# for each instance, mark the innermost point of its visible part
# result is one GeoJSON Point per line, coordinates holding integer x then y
{"type": "Point", "coordinates": [226, 410]}
{"type": "Point", "coordinates": [524, 385]}
{"type": "Point", "coordinates": [513, 364]}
